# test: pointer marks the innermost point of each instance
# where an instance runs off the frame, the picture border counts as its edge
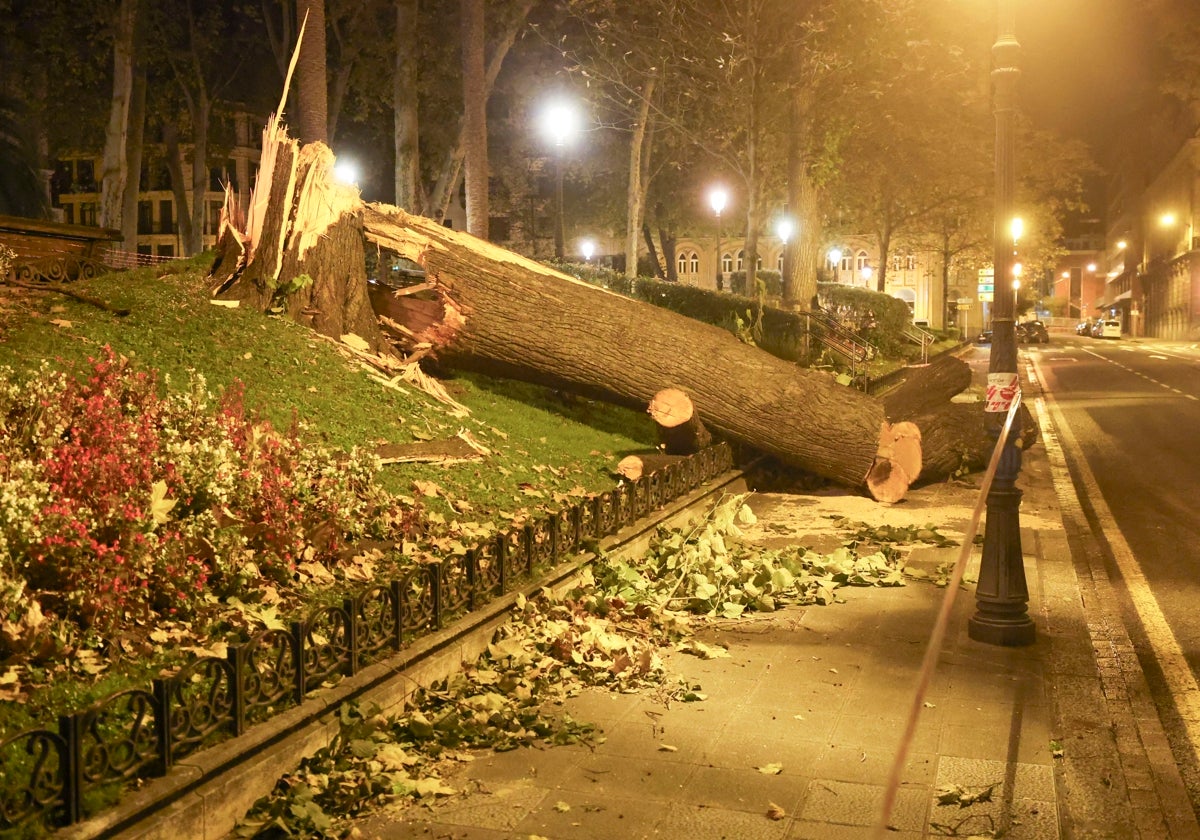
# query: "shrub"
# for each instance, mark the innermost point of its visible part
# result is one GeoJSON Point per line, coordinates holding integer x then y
{"type": "Point", "coordinates": [118, 504]}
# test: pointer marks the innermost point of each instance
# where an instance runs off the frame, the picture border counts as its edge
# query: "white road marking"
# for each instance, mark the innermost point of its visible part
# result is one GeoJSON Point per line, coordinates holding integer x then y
{"type": "Point", "coordinates": [1164, 646]}
{"type": "Point", "coordinates": [1158, 356]}
{"type": "Point", "coordinates": [1148, 378]}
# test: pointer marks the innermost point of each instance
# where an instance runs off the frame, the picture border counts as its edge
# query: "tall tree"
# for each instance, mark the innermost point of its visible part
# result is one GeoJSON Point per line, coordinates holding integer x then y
{"type": "Point", "coordinates": [114, 174]}
{"type": "Point", "coordinates": [311, 79]}
{"type": "Point", "coordinates": [406, 120]}
{"type": "Point", "coordinates": [475, 152]}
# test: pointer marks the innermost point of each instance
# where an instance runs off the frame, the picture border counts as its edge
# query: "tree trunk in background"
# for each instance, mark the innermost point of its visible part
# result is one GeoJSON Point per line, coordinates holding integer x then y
{"type": "Point", "coordinates": [404, 106]}
{"type": "Point", "coordinates": [438, 201]}
{"type": "Point", "coordinates": [802, 202]}
{"type": "Point", "coordinates": [636, 193]}
{"type": "Point", "coordinates": [134, 149]}
{"type": "Point", "coordinates": [475, 151]}
{"type": "Point", "coordinates": [311, 82]}
{"type": "Point", "coordinates": [114, 175]}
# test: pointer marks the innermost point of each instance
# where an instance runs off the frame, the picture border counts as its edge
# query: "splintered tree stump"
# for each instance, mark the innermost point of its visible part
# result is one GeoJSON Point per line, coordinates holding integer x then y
{"type": "Point", "coordinates": [680, 431]}
{"type": "Point", "coordinates": [633, 467]}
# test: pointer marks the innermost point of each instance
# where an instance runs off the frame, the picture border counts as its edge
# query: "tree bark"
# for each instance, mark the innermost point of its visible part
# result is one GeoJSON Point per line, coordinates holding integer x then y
{"type": "Point", "coordinates": [927, 388]}
{"type": "Point", "coordinates": [133, 154]}
{"type": "Point", "coordinates": [475, 157]}
{"type": "Point", "coordinates": [636, 191]}
{"type": "Point", "coordinates": [311, 79]}
{"type": "Point", "coordinates": [404, 106]}
{"type": "Point", "coordinates": [114, 175]}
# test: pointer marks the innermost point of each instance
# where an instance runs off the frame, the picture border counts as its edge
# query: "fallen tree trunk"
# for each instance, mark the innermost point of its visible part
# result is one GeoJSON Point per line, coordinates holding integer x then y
{"type": "Point", "coordinates": [485, 308]}
{"type": "Point", "coordinates": [927, 388]}
{"type": "Point", "coordinates": [511, 316]}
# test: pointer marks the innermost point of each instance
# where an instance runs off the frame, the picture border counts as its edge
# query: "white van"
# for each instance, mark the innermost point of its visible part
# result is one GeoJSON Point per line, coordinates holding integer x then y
{"type": "Point", "coordinates": [1110, 328]}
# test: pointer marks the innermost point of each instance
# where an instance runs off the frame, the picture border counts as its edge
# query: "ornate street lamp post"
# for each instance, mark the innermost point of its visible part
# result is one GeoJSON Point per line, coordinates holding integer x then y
{"type": "Point", "coordinates": [717, 199]}
{"type": "Point", "coordinates": [1002, 596]}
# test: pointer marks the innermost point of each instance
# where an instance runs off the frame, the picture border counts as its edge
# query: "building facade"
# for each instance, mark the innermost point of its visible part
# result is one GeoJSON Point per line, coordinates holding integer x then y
{"type": "Point", "coordinates": [75, 190]}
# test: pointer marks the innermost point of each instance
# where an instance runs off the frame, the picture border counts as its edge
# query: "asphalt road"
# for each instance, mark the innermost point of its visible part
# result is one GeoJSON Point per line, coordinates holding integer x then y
{"type": "Point", "coordinates": [1127, 412]}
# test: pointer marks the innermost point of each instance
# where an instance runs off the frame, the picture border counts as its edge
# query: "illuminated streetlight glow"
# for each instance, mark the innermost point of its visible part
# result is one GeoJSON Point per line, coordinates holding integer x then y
{"type": "Point", "coordinates": [1017, 228]}
{"type": "Point", "coordinates": [1167, 219]}
{"type": "Point", "coordinates": [866, 272]}
{"type": "Point", "coordinates": [346, 172]}
{"type": "Point", "coordinates": [1016, 270]}
{"type": "Point", "coordinates": [1092, 267]}
{"type": "Point", "coordinates": [784, 228]}
{"type": "Point", "coordinates": [717, 199]}
{"type": "Point", "coordinates": [1066, 275]}
{"type": "Point", "coordinates": [560, 122]}
{"type": "Point", "coordinates": [587, 247]}
{"type": "Point", "coordinates": [835, 256]}
{"type": "Point", "coordinates": [1122, 245]}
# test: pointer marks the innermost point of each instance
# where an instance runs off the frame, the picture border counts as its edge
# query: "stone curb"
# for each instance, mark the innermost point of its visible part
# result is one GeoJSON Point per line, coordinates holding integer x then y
{"type": "Point", "coordinates": [205, 795]}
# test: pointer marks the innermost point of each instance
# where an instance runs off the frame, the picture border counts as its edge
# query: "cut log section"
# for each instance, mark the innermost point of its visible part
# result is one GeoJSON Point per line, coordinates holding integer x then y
{"type": "Point", "coordinates": [927, 388]}
{"type": "Point", "coordinates": [633, 467]}
{"type": "Point", "coordinates": [680, 431]}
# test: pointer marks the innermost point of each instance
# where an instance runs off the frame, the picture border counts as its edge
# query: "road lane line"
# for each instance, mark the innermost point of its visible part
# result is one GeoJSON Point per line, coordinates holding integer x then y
{"type": "Point", "coordinates": [1181, 682]}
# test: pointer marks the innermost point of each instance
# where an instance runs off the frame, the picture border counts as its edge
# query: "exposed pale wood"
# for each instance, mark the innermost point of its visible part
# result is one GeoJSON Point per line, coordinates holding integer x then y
{"type": "Point", "coordinates": [680, 431]}
{"type": "Point", "coordinates": [633, 467]}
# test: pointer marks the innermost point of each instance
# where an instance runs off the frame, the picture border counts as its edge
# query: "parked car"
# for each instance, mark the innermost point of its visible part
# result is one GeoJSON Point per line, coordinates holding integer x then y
{"type": "Point", "coordinates": [984, 337]}
{"type": "Point", "coordinates": [1084, 327]}
{"type": "Point", "coordinates": [1106, 328]}
{"type": "Point", "coordinates": [1032, 332]}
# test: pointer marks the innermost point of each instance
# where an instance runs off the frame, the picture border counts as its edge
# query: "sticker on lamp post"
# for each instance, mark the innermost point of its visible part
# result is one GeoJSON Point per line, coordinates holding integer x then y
{"type": "Point", "coordinates": [1002, 389]}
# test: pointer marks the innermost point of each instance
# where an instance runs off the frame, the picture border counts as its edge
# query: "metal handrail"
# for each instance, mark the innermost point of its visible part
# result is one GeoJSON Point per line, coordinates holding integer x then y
{"type": "Point", "coordinates": [921, 336]}
{"type": "Point", "coordinates": [840, 339]}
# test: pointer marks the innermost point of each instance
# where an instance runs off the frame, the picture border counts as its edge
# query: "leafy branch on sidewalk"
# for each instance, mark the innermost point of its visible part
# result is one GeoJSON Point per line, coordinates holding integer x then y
{"type": "Point", "coordinates": [605, 632]}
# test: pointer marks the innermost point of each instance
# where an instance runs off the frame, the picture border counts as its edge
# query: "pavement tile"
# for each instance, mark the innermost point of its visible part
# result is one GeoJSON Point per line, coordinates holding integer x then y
{"type": "Point", "coordinates": [743, 789]}
{"type": "Point", "coordinates": [872, 765]}
{"type": "Point", "coordinates": [700, 823]}
{"type": "Point", "coordinates": [593, 816]}
{"type": "Point", "coordinates": [1014, 781]}
{"type": "Point", "coordinates": [852, 803]}
{"type": "Point", "coordinates": [804, 830]}
{"type": "Point", "coordinates": [617, 775]}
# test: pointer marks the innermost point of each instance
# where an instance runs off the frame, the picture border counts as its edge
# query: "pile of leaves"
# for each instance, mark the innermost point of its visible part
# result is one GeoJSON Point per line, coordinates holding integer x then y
{"type": "Point", "coordinates": [122, 507]}
{"type": "Point", "coordinates": [549, 649]}
{"type": "Point", "coordinates": [605, 632]}
{"type": "Point", "coordinates": [712, 570]}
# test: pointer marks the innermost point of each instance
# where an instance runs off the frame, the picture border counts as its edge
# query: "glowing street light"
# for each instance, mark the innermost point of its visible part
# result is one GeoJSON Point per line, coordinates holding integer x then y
{"type": "Point", "coordinates": [560, 124]}
{"type": "Point", "coordinates": [1167, 220]}
{"type": "Point", "coordinates": [717, 199]}
{"type": "Point", "coordinates": [346, 172]}
{"type": "Point", "coordinates": [835, 259]}
{"type": "Point", "coordinates": [588, 248]}
{"type": "Point", "coordinates": [1017, 228]}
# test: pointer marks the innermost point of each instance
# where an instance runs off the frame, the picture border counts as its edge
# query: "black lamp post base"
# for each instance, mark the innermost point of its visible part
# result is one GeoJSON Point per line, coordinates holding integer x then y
{"type": "Point", "coordinates": [1007, 631]}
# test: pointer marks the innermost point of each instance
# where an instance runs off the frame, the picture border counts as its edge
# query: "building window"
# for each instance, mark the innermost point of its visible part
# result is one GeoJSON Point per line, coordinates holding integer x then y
{"type": "Point", "coordinates": [681, 263]}
{"type": "Point", "coordinates": [910, 262]}
{"type": "Point", "coordinates": [847, 261]}
{"type": "Point", "coordinates": [145, 217]}
{"type": "Point", "coordinates": [87, 213]}
{"type": "Point", "coordinates": [741, 258]}
{"type": "Point", "coordinates": [85, 176]}
{"type": "Point", "coordinates": [695, 261]}
{"type": "Point", "coordinates": [779, 263]}
{"type": "Point", "coordinates": [166, 250]}
{"type": "Point", "coordinates": [166, 216]}
{"type": "Point", "coordinates": [861, 262]}
{"type": "Point", "coordinates": [727, 262]}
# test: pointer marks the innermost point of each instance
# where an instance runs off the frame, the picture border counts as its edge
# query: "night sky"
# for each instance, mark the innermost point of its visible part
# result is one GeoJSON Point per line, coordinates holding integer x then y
{"type": "Point", "coordinates": [1084, 65]}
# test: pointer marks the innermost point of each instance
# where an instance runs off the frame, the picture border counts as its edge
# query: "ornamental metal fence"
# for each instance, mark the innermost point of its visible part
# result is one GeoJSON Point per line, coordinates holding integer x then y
{"type": "Point", "coordinates": [48, 774]}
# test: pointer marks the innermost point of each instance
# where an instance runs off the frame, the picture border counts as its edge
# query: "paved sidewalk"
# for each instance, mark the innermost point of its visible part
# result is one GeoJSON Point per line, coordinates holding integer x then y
{"type": "Point", "coordinates": [824, 693]}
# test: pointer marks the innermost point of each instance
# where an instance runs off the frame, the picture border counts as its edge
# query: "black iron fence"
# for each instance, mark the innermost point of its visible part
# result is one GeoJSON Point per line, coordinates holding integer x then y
{"type": "Point", "coordinates": [49, 773]}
